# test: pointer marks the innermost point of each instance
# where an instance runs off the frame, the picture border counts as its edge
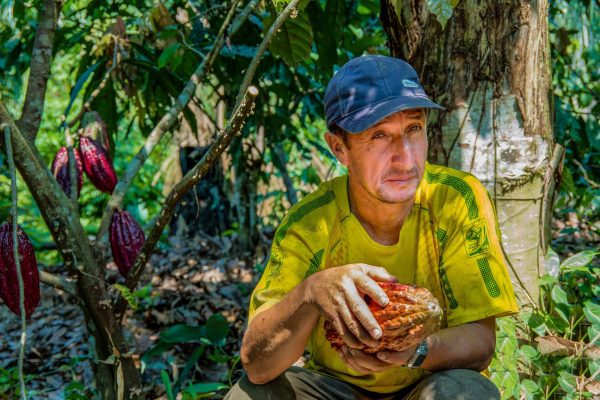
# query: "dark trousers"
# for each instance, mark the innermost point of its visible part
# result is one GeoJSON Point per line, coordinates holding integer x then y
{"type": "Point", "coordinates": [301, 383]}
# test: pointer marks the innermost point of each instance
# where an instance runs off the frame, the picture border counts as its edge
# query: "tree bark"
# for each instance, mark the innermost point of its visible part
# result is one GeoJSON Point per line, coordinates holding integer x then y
{"type": "Point", "coordinates": [489, 66]}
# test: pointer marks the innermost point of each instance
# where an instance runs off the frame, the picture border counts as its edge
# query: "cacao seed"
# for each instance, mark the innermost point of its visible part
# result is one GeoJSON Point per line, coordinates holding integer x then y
{"type": "Point", "coordinates": [62, 173]}
{"type": "Point", "coordinates": [126, 240]}
{"type": "Point", "coordinates": [9, 284]}
{"type": "Point", "coordinates": [97, 164]}
{"type": "Point", "coordinates": [411, 315]}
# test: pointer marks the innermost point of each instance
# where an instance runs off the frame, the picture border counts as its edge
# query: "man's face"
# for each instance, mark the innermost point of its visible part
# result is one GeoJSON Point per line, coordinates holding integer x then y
{"type": "Point", "coordinates": [388, 159]}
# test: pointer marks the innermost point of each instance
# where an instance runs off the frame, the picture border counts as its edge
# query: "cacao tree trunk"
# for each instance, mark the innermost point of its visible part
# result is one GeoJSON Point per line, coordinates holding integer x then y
{"type": "Point", "coordinates": [489, 66]}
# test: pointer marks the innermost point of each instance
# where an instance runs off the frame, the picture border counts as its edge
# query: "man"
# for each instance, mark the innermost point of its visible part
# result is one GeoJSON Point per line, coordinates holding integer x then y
{"type": "Point", "coordinates": [393, 217]}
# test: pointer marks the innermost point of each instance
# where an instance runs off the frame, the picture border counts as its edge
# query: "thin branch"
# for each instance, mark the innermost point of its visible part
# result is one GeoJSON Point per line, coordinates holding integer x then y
{"type": "Point", "coordinates": [58, 282]}
{"type": "Point", "coordinates": [585, 175]}
{"type": "Point", "coordinates": [159, 130]}
{"type": "Point", "coordinates": [193, 176]}
{"type": "Point", "coordinates": [15, 240]}
{"type": "Point", "coordinates": [262, 48]}
{"type": "Point", "coordinates": [39, 69]}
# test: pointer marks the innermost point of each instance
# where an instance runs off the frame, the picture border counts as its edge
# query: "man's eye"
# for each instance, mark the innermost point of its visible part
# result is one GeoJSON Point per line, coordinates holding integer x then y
{"type": "Point", "coordinates": [377, 136]}
{"type": "Point", "coordinates": [415, 128]}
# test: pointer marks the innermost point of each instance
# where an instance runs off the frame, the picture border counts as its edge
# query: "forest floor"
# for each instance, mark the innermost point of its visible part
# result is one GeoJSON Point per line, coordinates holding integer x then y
{"type": "Point", "coordinates": [184, 284]}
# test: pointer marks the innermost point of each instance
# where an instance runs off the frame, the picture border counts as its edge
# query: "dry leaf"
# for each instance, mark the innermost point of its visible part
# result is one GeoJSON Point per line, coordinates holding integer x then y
{"type": "Point", "coordinates": [557, 346]}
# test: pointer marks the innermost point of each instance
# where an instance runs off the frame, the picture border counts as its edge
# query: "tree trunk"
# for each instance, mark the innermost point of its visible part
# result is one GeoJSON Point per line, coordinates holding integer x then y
{"type": "Point", "coordinates": [489, 66]}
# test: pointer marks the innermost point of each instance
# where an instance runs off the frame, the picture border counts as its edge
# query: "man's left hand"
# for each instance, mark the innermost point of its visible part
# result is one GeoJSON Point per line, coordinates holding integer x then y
{"type": "Point", "coordinates": [367, 363]}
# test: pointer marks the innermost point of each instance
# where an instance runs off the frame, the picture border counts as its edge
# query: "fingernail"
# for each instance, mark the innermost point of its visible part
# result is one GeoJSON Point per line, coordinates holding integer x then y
{"type": "Point", "coordinates": [381, 356]}
{"type": "Point", "coordinates": [384, 301]}
{"type": "Point", "coordinates": [377, 333]}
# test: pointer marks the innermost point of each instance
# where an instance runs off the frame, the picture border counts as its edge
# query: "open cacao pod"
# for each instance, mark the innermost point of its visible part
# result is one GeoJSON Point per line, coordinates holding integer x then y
{"type": "Point", "coordinates": [126, 240]}
{"type": "Point", "coordinates": [60, 170]}
{"type": "Point", "coordinates": [411, 315]}
{"type": "Point", "coordinates": [9, 284]}
{"type": "Point", "coordinates": [97, 164]}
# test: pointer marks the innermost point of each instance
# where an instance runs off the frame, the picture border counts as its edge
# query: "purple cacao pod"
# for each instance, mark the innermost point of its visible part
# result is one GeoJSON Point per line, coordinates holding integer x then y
{"type": "Point", "coordinates": [126, 240]}
{"type": "Point", "coordinates": [97, 164]}
{"type": "Point", "coordinates": [60, 170]}
{"type": "Point", "coordinates": [9, 284]}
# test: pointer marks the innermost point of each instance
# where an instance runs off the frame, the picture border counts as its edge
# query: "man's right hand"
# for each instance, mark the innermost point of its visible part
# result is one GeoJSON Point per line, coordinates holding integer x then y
{"type": "Point", "coordinates": [338, 292]}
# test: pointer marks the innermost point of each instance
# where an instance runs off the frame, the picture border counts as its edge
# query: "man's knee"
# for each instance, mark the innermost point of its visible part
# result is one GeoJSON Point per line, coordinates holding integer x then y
{"type": "Point", "coordinates": [278, 388]}
{"type": "Point", "coordinates": [454, 384]}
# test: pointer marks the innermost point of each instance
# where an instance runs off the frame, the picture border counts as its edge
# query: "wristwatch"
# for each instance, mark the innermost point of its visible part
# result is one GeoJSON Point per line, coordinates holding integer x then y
{"type": "Point", "coordinates": [420, 353]}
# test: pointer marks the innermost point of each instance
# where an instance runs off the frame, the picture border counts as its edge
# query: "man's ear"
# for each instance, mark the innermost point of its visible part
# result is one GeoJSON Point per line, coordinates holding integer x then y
{"type": "Point", "coordinates": [337, 147]}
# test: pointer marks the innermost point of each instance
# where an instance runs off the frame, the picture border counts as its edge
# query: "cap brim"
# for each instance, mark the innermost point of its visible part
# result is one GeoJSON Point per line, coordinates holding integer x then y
{"type": "Point", "coordinates": [364, 118]}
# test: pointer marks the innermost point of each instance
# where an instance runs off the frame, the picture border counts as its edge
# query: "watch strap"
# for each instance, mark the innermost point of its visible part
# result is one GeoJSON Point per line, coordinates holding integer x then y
{"type": "Point", "coordinates": [419, 356]}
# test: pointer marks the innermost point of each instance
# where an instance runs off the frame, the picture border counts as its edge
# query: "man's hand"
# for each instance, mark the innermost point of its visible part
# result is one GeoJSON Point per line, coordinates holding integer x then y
{"type": "Point", "coordinates": [338, 292]}
{"type": "Point", "coordinates": [368, 363]}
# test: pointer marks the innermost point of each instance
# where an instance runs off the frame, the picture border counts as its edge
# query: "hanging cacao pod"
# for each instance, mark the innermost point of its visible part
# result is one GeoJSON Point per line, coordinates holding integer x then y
{"type": "Point", "coordinates": [97, 164]}
{"type": "Point", "coordinates": [126, 240]}
{"type": "Point", "coordinates": [94, 127]}
{"type": "Point", "coordinates": [9, 283]}
{"type": "Point", "coordinates": [62, 173]}
{"type": "Point", "coordinates": [411, 315]}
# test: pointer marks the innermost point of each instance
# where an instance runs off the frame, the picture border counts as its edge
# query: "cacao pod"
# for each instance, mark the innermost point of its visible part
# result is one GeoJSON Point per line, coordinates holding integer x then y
{"type": "Point", "coordinates": [411, 315]}
{"type": "Point", "coordinates": [97, 164]}
{"type": "Point", "coordinates": [95, 128]}
{"type": "Point", "coordinates": [9, 284]}
{"type": "Point", "coordinates": [126, 240]}
{"type": "Point", "coordinates": [60, 170]}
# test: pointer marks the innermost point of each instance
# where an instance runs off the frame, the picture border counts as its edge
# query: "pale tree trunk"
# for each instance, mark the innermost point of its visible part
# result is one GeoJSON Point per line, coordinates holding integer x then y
{"type": "Point", "coordinates": [489, 66]}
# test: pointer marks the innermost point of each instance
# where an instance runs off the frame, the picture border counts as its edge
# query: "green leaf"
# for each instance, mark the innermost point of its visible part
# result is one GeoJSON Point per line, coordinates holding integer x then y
{"type": "Point", "coordinates": [181, 333]}
{"type": "Point", "coordinates": [127, 295]}
{"type": "Point", "coordinates": [189, 365]}
{"type": "Point", "coordinates": [167, 382]}
{"type": "Point", "coordinates": [552, 262]}
{"type": "Point", "coordinates": [81, 82]}
{"type": "Point", "coordinates": [293, 40]}
{"type": "Point", "coordinates": [593, 332]}
{"type": "Point", "coordinates": [536, 323]}
{"type": "Point", "coordinates": [216, 329]}
{"type": "Point", "coordinates": [168, 54]}
{"type": "Point", "coordinates": [581, 259]}
{"type": "Point", "coordinates": [594, 366]}
{"type": "Point", "coordinates": [592, 312]}
{"type": "Point", "coordinates": [507, 345]}
{"type": "Point", "coordinates": [567, 382]}
{"type": "Point", "coordinates": [530, 387]}
{"type": "Point", "coordinates": [442, 9]}
{"type": "Point", "coordinates": [207, 387]}
{"type": "Point", "coordinates": [529, 351]}
{"type": "Point", "coordinates": [327, 29]}
{"type": "Point", "coordinates": [547, 280]}
{"type": "Point", "coordinates": [567, 181]}
{"type": "Point", "coordinates": [562, 306]}
{"type": "Point", "coordinates": [159, 348]}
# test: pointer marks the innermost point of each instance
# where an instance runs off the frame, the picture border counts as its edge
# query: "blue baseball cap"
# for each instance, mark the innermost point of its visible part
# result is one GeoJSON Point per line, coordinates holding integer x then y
{"type": "Point", "coordinates": [369, 88]}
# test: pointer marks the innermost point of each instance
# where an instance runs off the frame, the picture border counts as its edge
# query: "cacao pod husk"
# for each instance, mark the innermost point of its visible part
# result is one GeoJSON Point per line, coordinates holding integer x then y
{"type": "Point", "coordinates": [95, 128]}
{"type": "Point", "coordinates": [60, 170]}
{"type": "Point", "coordinates": [9, 283]}
{"type": "Point", "coordinates": [97, 164]}
{"type": "Point", "coordinates": [411, 315]}
{"type": "Point", "coordinates": [126, 240]}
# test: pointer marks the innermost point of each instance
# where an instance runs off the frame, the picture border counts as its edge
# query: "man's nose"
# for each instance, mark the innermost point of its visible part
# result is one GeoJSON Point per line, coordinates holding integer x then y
{"type": "Point", "coordinates": [402, 152]}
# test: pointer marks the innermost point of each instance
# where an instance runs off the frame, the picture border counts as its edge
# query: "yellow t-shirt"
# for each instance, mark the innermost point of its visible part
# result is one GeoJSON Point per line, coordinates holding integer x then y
{"type": "Point", "coordinates": [449, 243]}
